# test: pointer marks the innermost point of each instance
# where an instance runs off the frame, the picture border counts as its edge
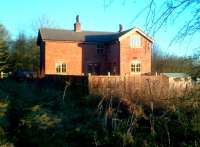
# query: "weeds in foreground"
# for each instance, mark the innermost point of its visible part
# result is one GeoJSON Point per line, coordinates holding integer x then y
{"type": "Point", "coordinates": [136, 121]}
{"type": "Point", "coordinates": [35, 115]}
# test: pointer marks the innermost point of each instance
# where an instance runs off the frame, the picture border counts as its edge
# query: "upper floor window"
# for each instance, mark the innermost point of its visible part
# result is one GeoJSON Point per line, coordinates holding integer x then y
{"type": "Point", "coordinates": [61, 67]}
{"type": "Point", "coordinates": [135, 41]}
{"type": "Point", "coordinates": [135, 66]}
{"type": "Point", "coordinates": [100, 49]}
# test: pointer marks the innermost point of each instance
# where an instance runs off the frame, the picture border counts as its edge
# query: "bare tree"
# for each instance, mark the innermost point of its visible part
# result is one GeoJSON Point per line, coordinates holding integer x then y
{"type": "Point", "coordinates": [160, 14]}
{"type": "Point", "coordinates": [43, 22]}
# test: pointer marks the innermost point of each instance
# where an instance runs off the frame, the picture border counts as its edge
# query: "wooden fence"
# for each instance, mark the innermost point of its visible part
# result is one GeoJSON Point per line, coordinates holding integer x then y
{"type": "Point", "coordinates": [150, 87]}
{"type": "Point", "coordinates": [3, 75]}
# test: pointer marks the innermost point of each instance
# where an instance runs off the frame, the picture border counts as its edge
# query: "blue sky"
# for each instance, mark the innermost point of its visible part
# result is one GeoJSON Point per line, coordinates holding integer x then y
{"type": "Point", "coordinates": [21, 15]}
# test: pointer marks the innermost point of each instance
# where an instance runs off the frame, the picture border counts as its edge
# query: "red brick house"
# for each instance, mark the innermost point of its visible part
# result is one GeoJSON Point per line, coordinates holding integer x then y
{"type": "Point", "coordinates": [77, 52]}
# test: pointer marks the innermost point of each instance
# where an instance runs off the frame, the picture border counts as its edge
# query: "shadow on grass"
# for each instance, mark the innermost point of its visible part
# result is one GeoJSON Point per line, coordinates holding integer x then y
{"type": "Point", "coordinates": [38, 113]}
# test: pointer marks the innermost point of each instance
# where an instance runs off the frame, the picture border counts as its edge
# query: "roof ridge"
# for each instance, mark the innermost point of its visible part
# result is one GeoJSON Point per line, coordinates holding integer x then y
{"type": "Point", "coordinates": [88, 36]}
{"type": "Point", "coordinates": [60, 29]}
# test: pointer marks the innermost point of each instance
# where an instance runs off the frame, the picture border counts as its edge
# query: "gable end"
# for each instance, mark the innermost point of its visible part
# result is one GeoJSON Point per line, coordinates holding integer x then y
{"type": "Point", "coordinates": [138, 31]}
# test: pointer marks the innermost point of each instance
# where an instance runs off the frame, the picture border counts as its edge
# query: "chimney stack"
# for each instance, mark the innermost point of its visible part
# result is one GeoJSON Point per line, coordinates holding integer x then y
{"type": "Point", "coordinates": [120, 28]}
{"type": "Point", "coordinates": [77, 25]}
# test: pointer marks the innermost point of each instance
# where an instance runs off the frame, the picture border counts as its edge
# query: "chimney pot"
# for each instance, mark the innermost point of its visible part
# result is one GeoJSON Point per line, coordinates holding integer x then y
{"type": "Point", "coordinates": [77, 18]}
{"type": "Point", "coordinates": [120, 28]}
{"type": "Point", "coordinates": [77, 25]}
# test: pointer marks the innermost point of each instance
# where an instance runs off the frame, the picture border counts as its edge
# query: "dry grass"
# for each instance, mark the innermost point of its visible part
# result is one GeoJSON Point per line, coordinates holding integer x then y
{"type": "Point", "coordinates": [137, 88]}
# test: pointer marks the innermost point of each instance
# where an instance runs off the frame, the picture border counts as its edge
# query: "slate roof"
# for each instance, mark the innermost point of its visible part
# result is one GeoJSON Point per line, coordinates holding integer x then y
{"type": "Point", "coordinates": [86, 36]}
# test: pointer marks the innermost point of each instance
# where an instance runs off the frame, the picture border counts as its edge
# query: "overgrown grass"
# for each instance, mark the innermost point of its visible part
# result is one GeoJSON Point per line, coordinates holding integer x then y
{"type": "Point", "coordinates": [34, 114]}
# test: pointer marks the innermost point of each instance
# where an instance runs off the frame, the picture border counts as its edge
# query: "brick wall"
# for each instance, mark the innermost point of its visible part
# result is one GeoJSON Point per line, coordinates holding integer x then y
{"type": "Point", "coordinates": [127, 54]}
{"type": "Point", "coordinates": [76, 55]}
{"type": "Point", "coordinates": [116, 59]}
{"type": "Point", "coordinates": [113, 58]}
{"type": "Point", "coordinates": [91, 56]}
{"type": "Point", "coordinates": [60, 51]}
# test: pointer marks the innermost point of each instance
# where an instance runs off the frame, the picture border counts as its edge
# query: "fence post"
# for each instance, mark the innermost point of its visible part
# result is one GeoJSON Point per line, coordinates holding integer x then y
{"type": "Point", "coordinates": [89, 82]}
{"type": "Point", "coordinates": [124, 85]}
{"type": "Point", "coordinates": [1, 75]}
{"type": "Point", "coordinates": [108, 86]}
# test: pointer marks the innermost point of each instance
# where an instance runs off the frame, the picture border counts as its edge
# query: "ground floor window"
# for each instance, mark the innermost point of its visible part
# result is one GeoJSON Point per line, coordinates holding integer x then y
{"type": "Point", "coordinates": [61, 67]}
{"type": "Point", "coordinates": [135, 66]}
{"type": "Point", "coordinates": [93, 68]}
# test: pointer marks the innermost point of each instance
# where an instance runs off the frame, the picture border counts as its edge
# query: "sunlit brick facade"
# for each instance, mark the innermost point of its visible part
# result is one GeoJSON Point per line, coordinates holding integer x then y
{"type": "Point", "coordinates": [77, 52]}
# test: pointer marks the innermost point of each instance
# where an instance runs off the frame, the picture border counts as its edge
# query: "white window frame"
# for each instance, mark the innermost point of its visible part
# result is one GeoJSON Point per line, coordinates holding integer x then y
{"type": "Point", "coordinates": [136, 41]}
{"type": "Point", "coordinates": [60, 65]}
{"type": "Point", "coordinates": [134, 66]}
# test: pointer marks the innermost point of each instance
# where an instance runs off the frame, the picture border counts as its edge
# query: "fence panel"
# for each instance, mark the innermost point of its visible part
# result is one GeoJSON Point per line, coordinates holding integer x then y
{"type": "Point", "coordinates": [150, 87]}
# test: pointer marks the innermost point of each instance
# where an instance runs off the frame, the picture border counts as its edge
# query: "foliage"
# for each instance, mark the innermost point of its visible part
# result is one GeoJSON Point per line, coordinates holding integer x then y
{"type": "Point", "coordinates": [4, 38]}
{"type": "Point", "coordinates": [33, 113]}
{"type": "Point", "coordinates": [162, 63]}
{"type": "Point", "coordinates": [195, 71]}
{"type": "Point", "coordinates": [24, 53]}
